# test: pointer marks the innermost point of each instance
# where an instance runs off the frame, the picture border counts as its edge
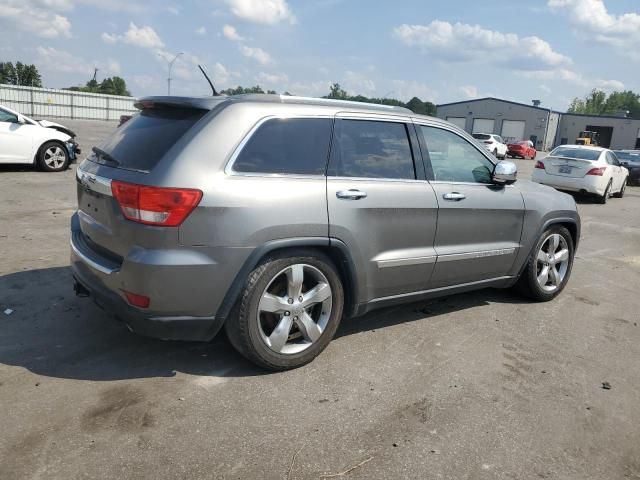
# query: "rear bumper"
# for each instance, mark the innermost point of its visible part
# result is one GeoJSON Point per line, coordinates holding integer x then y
{"type": "Point", "coordinates": [590, 184]}
{"type": "Point", "coordinates": [104, 281]}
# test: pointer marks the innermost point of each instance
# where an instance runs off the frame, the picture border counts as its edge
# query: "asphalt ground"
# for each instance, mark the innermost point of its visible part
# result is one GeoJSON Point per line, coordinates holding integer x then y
{"type": "Point", "coordinates": [483, 385]}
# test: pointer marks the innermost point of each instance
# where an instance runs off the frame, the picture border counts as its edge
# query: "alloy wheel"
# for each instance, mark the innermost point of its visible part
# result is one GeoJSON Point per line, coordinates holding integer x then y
{"type": "Point", "coordinates": [552, 262]}
{"type": "Point", "coordinates": [294, 309]}
{"type": "Point", "coordinates": [54, 157]}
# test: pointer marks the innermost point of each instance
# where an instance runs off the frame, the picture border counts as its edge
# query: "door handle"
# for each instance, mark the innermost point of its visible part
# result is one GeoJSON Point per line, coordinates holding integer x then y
{"type": "Point", "coordinates": [454, 196]}
{"type": "Point", "coordinates": [351, 194]}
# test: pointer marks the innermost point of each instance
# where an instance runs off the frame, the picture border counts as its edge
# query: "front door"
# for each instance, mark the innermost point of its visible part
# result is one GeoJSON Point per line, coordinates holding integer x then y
{"type": "Point", "coordinates": [15, 139]}
{"type": "Point", "coordinates": [479, 223]}
{"type": "Point", "coordinates": [381, 206]}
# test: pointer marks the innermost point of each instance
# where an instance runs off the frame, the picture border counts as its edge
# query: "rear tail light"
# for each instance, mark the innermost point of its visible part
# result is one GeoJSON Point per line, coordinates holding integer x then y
{"type": "Point", "coordinates": [167, 207]}
{"type": "Point", "coordinates": [539, 164]}
{"type": "Point", "coordinates": [599, 171]}
{"type": "Point", "coordinates": [136, 300]}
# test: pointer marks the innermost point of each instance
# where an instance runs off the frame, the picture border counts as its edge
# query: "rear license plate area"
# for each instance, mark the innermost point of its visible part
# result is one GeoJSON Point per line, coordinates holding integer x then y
{"type": "Point", "coordinates": [564, 169]}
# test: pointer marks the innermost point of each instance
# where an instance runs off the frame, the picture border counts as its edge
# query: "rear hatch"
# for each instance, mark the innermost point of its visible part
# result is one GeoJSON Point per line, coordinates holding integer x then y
{"type": "Point", "coordinates": [110, 180]}
{"type": "Point", "coordinates": [571, 162]}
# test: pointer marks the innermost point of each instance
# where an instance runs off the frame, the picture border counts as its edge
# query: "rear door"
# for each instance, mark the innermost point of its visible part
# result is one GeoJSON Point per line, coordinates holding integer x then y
{"type": "Point", "coordinates": [617, 176]}
{"type": "Point", "coordinates": [380, 203]}
{"type": "Point", "coordinates": [479, 223]}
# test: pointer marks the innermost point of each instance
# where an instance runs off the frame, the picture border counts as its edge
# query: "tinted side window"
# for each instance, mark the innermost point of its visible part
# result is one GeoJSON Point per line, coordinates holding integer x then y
{"type": "Point", "coordinates": [287, 145]}
{"type": "Point", "coordinates": [8, 117]}
{"type": "Point", "coordinates": [453, 159]}
{"type": "Point", "coordinates": [371, 149]}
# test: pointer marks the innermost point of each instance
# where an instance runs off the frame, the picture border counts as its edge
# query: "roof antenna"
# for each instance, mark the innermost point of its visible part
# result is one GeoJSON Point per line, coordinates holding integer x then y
{"type": "Point", "coordinates": [215, 94]}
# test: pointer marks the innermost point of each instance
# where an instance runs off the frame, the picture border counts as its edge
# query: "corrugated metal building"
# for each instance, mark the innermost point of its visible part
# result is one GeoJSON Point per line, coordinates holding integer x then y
{"type": "Point", "coordinates": [546, 128]}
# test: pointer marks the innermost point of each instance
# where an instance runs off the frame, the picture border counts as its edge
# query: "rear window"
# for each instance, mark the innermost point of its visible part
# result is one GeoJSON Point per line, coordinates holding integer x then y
{"type": "Point", "coordinates": [628, 156]}
{"type": "Point", "coordinates": [287, 146]}
{"type": "Point", "coordinates": [141, 142]}
{"type": "Point", "coordinates": [481, 136]}
{"type": "Point", "coordinates": [577, 153]}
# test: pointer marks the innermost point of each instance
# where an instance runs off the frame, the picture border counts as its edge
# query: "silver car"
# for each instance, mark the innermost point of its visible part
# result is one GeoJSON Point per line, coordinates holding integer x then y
{"type": "Point", "coordinates": [273, 217]}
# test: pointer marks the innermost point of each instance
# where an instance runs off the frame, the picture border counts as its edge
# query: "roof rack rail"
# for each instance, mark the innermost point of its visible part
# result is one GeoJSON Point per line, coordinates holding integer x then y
{"type": "Point", "coordinates": [293, 99]}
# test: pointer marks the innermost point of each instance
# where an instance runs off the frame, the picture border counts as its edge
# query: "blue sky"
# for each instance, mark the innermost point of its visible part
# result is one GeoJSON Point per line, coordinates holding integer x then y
{"type": "Point", "coordinates": [440, 51]}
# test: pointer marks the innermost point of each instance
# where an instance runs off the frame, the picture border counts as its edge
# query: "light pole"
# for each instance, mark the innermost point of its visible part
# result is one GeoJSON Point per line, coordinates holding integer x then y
{"type": "Point", "coordinates": [170, 66]}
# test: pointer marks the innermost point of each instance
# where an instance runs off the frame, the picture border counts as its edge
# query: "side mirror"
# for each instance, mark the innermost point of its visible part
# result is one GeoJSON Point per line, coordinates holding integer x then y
{"type": "Point", "coordinates": [504, 173]}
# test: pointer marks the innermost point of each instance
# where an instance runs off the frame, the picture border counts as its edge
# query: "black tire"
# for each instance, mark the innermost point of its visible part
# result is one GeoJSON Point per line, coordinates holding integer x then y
{"type": "Point", "coordinates": [528, 284]}
{"type": "Point", "coordinates": [44, 157]}
{"type": "Point", "coordinates": [243, 328]}
{"type": "Point", "coordinates": [607, 193]}
{"type": "Point", "coordinates": [620, 194]}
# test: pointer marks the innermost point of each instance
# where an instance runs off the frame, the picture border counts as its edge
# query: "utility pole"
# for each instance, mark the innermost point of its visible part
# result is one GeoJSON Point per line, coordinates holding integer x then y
{"type": "Point", "coordinates": [170, 66]}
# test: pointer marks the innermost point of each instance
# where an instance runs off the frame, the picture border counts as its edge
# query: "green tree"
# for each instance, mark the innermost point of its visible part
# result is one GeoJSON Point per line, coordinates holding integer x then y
{"type": "Point", "coordinates": [20, 74]}
{"type": "Point", "coordinates": [337, 93]}
{"type": "Point", "coordinates": [109, 86]}
{"type": "Point", "coordinates": [597, 103]}
{"type": "Point", "coordinates": [242, 90]}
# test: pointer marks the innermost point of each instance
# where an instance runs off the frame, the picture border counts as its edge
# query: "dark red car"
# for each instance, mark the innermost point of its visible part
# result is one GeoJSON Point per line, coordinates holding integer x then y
{"type": "Point", "coordinates": [523, 149]}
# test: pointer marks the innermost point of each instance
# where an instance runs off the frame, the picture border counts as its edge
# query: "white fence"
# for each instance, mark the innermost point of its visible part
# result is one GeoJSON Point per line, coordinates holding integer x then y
{"type": "Point", "coordinates": [48, 103]}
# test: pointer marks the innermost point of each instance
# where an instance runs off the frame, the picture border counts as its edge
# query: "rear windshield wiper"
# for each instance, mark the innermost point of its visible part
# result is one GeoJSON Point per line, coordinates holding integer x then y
{"type": "Point", "coordinates": [105, 156]}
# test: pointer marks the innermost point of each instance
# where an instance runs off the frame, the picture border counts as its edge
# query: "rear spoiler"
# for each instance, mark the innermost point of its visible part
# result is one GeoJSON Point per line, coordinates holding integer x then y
{"type": "Point", "coordinates": [204, 103]}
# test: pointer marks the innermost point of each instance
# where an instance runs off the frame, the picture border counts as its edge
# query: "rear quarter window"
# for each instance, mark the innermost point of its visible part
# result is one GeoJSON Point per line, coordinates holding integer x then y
{"type": "Point", "coordinates": [287, 146]}
{"type": "Point", "coordinates": [141, 142]}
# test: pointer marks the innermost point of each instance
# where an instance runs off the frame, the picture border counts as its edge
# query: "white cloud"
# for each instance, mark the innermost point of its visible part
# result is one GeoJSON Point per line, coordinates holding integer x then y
{"type": "Point", "coordinates": [594, 21]}
{"type": "Point", "coordinates": [406, 90]}
{"type": "Point", "coordinates": [145, 81]}
{"type": "Point", "coordinates": [256, 53]}
{"type": "Point", "coordinates": [469, 91]}
{"type": "Point", "coordinates": [144, 37]}
{"type": "Point", "coordinates": [357, 84]}
{"type": "Point", "coordinates": [574, 78]}
{"type": "Point", "coordinates": [464, 42]}
{"type": "Point", "coordinates": [220, 75]}
{"type": "Point", "coordinates": [201, 31]}
{"type": "Point", "coordinates": [269, 12]}
{"type": "Point", "coordinates": [109, 38]}
{"type": "Point", "coordinates": [230, 32]}
{"type": "Point", "coordinates": [54, 60]}
{"type": "Point", "coordinates": [272, 79]}
{"type": "Point", "coordinates": [38, 17]}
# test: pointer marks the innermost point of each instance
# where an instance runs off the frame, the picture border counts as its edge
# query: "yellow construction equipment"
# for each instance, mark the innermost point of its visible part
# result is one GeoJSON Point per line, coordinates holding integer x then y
{"type": "Point", "coordinates": [587, 138]}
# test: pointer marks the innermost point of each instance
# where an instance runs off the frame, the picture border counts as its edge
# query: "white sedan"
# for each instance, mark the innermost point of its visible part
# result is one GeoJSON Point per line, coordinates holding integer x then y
{"type": "Point", "coordinates": [494, 143]}
{"type": "Point", "coordinates": [584, 169]}
{"type": "Point", "coordinates": [23, 140]}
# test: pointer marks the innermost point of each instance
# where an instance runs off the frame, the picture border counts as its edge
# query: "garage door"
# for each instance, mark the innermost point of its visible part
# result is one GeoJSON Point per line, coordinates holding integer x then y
{"type": "Point", "coordinates": [483, 125]}
{"type": "Point", "coordinates": [513, 130]}
{"type": "Point", "coordinates": [458, 121]}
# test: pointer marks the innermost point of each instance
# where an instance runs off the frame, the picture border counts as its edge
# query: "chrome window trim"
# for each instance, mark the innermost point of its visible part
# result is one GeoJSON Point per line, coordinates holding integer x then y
{"type": "Point", "coordinates": [93, 182]}
{"type": "Point", "coordinates": [228, 169]}
{"type": "Point", "coordinates": [376, 179]}
{"type": "Point", "coordinates": [469, 184]}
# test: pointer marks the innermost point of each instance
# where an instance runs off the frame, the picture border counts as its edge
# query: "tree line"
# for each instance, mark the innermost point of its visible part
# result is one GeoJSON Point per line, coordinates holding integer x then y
{"type": "Point", "coordinates": [599, 103]}
{"type": "Point", "coordinates": [338, 93]}
{"type": "Point", "coordinates": [27, 75]}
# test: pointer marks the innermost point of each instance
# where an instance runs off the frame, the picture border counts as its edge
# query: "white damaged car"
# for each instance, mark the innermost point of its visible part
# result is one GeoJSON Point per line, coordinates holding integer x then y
{"type": "Point", "coordinates": [48, 145]}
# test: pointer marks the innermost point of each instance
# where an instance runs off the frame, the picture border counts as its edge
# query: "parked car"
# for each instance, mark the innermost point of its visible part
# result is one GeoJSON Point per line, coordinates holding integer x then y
{"type": "Point", "coordinates": [49, 145]}
{"type": "Point", "coordinates": [124, 119]}
{"type": "Point", "coordinates": [274, 216]}
{"type": "Point", "coordinates": [523, 149]}
{"type": "Point", "coordinates": [584, 169]}
{"type": "Point", "coordinates": [630, 159]}
{"type": "Point", "coordinates": [494, 143]}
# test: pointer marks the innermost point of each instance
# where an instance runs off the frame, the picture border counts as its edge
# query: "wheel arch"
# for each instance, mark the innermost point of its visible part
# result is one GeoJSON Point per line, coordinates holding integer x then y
{"type": "Point", "coordinates": [335, 249]}
{"type": "Point", "coordinates": [43, 143]}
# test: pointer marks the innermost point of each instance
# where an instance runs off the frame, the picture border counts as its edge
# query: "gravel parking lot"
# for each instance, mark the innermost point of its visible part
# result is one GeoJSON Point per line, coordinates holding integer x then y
{"type": "Point", "coordinates": [480, 385]}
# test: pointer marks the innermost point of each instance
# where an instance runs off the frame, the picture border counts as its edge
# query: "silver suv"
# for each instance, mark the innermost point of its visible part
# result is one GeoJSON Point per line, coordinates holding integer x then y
{"type": "Point", "coordinates": [274, 217]}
